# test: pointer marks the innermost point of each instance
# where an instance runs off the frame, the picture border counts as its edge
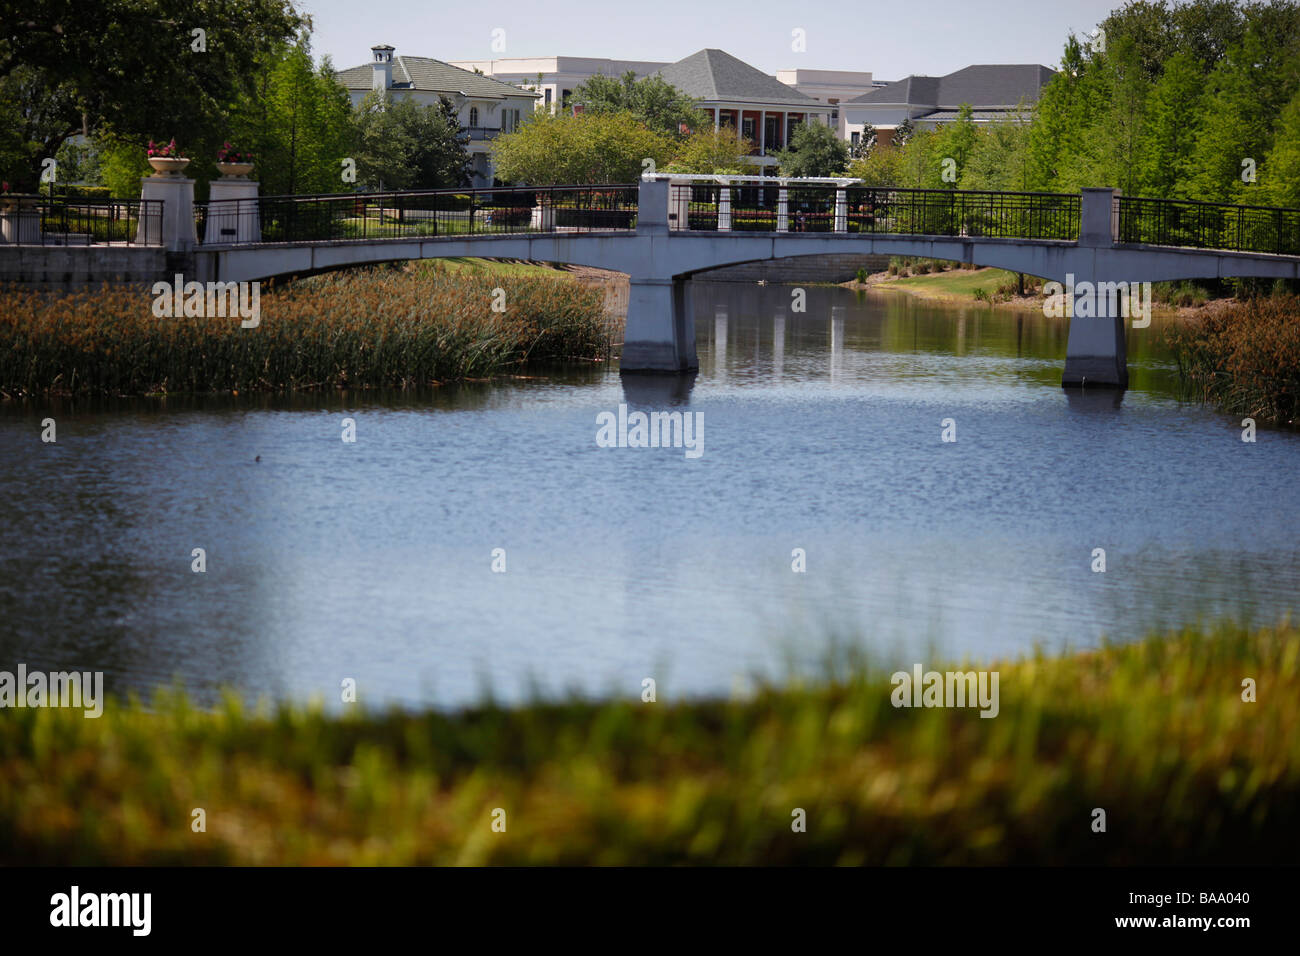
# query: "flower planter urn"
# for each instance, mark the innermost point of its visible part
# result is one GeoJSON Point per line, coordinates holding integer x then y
{"type": "Point", "coordinates": [234, 170]}
{"type": "Point", "coordinates": [168, 165]}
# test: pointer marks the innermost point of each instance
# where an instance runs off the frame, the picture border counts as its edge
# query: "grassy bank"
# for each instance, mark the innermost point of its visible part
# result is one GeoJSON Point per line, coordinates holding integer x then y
{"type": "Point", "coordinates": [387, 327]}
{"type": "Point", "coordinates": [1244, 357]}
{"type": "Point", "coordinates": [1156, 734]}
{"type": "Point", "coordinates": [938, 281]}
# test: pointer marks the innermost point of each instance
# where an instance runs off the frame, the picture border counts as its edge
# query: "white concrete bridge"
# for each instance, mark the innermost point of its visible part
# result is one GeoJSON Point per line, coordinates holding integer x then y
{"type": "Point", "coordinates": [663, 231]}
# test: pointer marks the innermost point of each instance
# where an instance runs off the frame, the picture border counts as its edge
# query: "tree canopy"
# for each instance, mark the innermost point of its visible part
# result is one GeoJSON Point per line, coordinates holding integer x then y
{"type": "Point", "coordinates": [136, 69]}
{"type": "Point", "coordinates": [654, 102]}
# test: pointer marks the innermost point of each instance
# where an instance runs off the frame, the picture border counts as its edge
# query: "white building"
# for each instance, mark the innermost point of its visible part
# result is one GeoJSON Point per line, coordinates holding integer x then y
{"type": "Point", "coordinates": [831, 87]}
{"type": "Point", "coordinates": [556, 77]}
{"type": "Point", "coordinates": [993, 91]}
{"type": "Point", "coordinates": [485, 107]}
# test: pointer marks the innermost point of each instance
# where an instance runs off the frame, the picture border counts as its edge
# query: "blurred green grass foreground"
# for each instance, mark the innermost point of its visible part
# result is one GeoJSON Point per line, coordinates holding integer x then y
{"type": "Point", "coordinates": [1156, 734]}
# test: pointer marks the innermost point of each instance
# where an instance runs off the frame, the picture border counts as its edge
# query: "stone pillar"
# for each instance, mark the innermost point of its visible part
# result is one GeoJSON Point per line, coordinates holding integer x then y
{"type": "Point", "coordinates": [841, 210]}
{"type": "Point", "coordinates": [1097, 219]}
{"type": "Point", "coordinates": [175, 221]}
{"type": "Point", "coordinates": [19, 222]}
{"type": "Point", "coordinates": [724, 208]}
{"type": "Point", "coordinates": [783, 209]}
{"type": "Point", "coordinates": [1095, 353]}
{"type": "Point", "coordinates": [660, 334]}
{"type": "Point", "coordinates": [653, 214]}
{"type": "Point", "coordinates": [233, 212]}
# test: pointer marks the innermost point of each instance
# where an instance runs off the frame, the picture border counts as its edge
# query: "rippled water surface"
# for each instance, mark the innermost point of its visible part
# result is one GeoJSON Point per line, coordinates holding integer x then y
{"type": "Point", "coordinates": [373, 560]}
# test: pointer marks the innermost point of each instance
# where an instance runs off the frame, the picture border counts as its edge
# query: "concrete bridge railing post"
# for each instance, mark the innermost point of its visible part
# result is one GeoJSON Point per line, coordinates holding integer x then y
{"type": "Point", "coordinates": [233, 212]}
{"type": "Point", "coordinates": [175, 220]}
{"type": "Point", "coordinates": [1095, 353]}
{"type": "Point", "coordinates": [660, 331]}
{"type": "Point", "coordinates": [652, 207]}
{"type": "Point", "coordinates": [783, 209]}
{"type": "Point", "coordinates": [724, 209]}
{"type": "Point", "coordinates": [841, 210]}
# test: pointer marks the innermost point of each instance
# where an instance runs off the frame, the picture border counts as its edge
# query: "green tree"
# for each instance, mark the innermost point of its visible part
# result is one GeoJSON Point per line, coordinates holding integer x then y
{"type": "Point", "coordinates": [402, 144]}
{"type": "Point", "coordinates": [955, 141]}
{"type": "Point", "coordinates": [1174, 114]}
{"type": "Point", "coordinates": [299, 124]}
{"type": "Point", "coordinates": [1249, 88]}
{"type": "Point", "coordinates": [904, 132]}
{"type": "Point", "coordinates": [129, 68]}
{"type": "Point", "coordinates": [653, 101]}
{"type": "Point", "coordinates": [1279, 174]}
{"type": "Point", "coordinates": [999, 158]}
{"type": "Point", "coordinates": [585, 148]}
{"type": "Point", "coordinates": [814, 150]}
{"type": "Point", "coordinates": [880, 167]}
{"type": "Point", "coordinates": [722, 151]}
{"type": "Point", "coordinates": [865, 144]}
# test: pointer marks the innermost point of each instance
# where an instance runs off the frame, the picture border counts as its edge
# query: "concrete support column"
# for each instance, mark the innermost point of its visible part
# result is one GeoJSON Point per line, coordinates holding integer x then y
{"type": "Point", "coordinates": [660, 335]}
{"type": "Point", "coordinates": [783, 210]}
{"type": "Point", "coordinates": [233, 212]}
{"type": "Point", "coordinates": [1095, 354]}
{"type": "Point", "coordinates": [652, 212]}
{"type": "Point", "coordinates": [1098, 222]}
{"type": "Point", "coordinates": [175, 221]}
{"type": "Point", "coordinates": [841, 210]}
{"type": "Point", "coordinates": [724, 208]}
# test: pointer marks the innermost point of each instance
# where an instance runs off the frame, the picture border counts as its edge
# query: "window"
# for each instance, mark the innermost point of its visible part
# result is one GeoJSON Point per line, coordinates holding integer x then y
{"type": "Point", "coordinates": [473, 116]}
{"type": "Point", "coordinates": [547, 99]}
{"type": "Point", "coordinates": [854, 137]}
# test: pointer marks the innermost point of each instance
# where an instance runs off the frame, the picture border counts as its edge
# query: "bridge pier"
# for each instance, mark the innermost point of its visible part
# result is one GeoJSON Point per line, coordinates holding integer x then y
{"type": "Point", "coordinates": [1095, 353]}
{"type": "Point", "coordinates": [660, 332]}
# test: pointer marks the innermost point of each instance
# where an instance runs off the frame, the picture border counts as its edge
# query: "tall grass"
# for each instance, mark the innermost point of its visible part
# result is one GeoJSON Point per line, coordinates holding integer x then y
{"type": "Point", "coordinates": [376, 328]}
{"type": "Point", "coordinates": [1243, 356]}
{"type": "Point", "coordinates": [1155, 733]}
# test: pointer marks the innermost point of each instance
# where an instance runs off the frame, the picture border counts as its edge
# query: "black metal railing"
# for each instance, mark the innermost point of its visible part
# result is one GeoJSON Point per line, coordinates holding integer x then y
{"type": "Point", "coordinates": [418, 214]}
{"type": "Point", "coordinates": [1205, 225]}
{"type": "Point", "coordinates": [858, 209]}
{"type": "Point", "coordinates": [68, 221]}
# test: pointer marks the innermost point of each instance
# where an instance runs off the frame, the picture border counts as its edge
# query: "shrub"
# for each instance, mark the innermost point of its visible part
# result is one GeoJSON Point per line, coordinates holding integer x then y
{"type": "Point", "coordinates": [1243, 357]}
{"type": "Point", "coordinates": [371, 328]}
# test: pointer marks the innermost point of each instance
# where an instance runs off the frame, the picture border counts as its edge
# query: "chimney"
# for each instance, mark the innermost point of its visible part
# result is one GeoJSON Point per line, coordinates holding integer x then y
{"type": "Point", "coordinates": [382, 66]}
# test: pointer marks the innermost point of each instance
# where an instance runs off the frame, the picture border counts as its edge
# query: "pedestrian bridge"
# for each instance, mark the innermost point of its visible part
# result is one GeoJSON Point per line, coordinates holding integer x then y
{"type": "Point", "coordinates": [664, 230]}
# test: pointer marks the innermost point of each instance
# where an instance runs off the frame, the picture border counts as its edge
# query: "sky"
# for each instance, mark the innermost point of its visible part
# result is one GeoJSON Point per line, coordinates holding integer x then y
{"type": "Point", "coordinates": [934, 37]}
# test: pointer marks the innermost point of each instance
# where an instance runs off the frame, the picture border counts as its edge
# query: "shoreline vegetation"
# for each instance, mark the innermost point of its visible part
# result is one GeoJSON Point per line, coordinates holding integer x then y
{"type": "Point", "coordinates": [1241, 355]}
{"type": "Point", "coordinates": [1158, 734]}
{"type": "Point", "coordinates": [400, 326]}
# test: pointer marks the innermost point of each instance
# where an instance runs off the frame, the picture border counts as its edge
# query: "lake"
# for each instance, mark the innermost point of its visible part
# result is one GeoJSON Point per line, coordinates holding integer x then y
{"type": "Point", "coordinates": [822, 437]}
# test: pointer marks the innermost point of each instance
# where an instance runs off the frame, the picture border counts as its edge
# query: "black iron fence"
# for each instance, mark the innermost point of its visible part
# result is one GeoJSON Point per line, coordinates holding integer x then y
{"type": "Point", "coordinates": [1204, 225]}
{"type": "Point", "coordinates": [418, 214]}
{"type": "Point", "coordinates": [67, 221]}
{"type": "Point", "coordinates": [712, 207]}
